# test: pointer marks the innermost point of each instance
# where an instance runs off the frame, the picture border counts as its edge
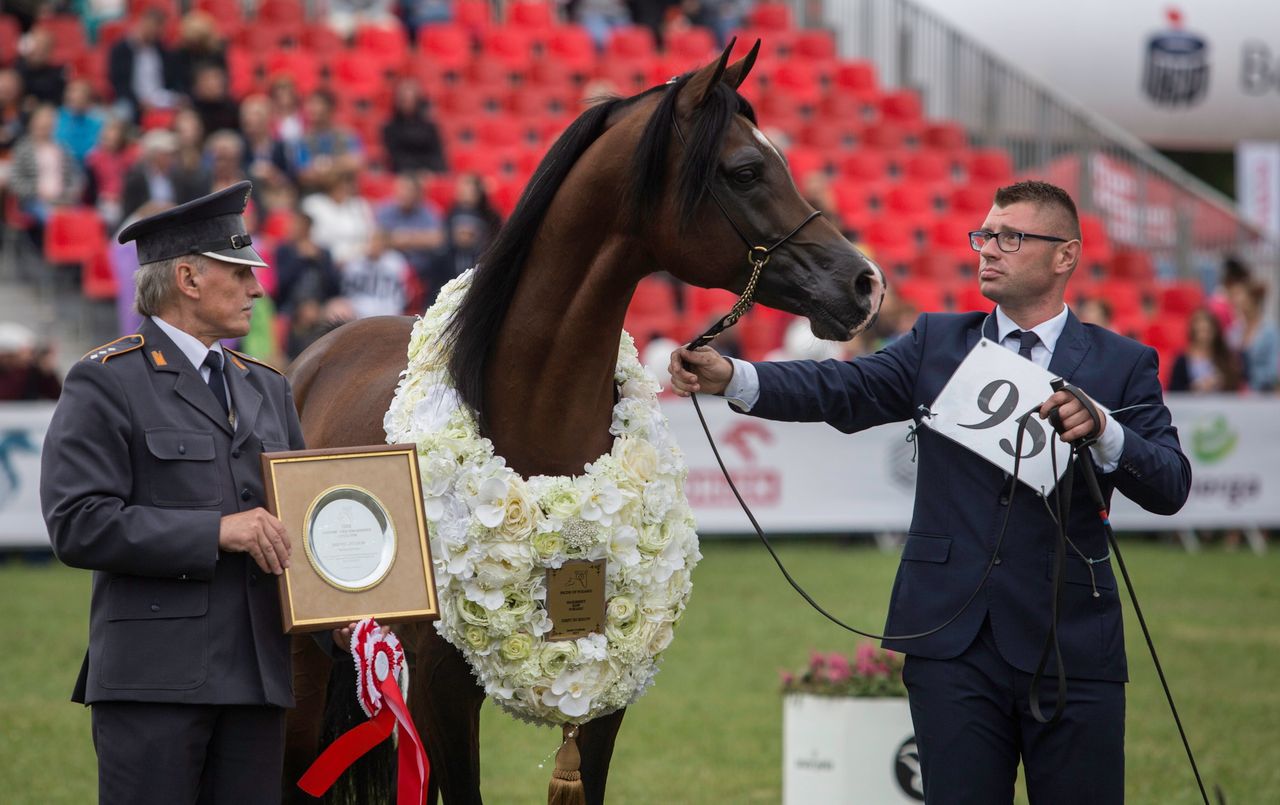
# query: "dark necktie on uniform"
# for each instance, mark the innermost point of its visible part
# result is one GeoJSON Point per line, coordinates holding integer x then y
{"type": "Point", "coordinates": [1026, 340]}
{"type": "Point", "coordinates": [216, 384]}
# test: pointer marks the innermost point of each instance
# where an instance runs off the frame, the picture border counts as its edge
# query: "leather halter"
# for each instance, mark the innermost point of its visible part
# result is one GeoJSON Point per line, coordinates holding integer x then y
{"type": "Point", "coordinates": [757, 256]}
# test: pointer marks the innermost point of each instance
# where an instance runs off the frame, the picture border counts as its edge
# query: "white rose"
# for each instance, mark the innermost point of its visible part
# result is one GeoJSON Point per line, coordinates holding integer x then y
{"type": "Point", "coordinates": [637, 459]}
{"type": "Point", "coordinates": [520, 515]}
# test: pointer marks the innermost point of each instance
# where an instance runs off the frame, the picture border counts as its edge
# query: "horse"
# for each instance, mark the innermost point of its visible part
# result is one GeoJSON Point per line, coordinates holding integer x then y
{"type": "Point", "coordinates": [674, 178]}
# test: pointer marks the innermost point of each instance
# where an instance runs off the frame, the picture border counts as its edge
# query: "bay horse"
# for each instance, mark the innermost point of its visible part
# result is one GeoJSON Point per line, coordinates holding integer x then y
{"type": "Point", "coordinates": [627, 190]}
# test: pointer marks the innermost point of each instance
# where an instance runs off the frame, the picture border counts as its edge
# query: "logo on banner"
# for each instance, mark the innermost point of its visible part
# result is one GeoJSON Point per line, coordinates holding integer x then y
{"type": "Point", "coordinates": [1213, 439]}
{"type": "Point", "coordinates": [760, 485]}
{"type": "Point", "coordinates": [1176, 72]}
{"type": "Point", "coordinates": [906, 770]}
{"type": "Point", "coordinates": [12, 441]}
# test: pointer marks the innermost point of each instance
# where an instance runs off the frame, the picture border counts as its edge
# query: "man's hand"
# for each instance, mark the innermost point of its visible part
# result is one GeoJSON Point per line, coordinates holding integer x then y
{"type": "Point", "coordinates": [259, 534]}
{"type": "Point", "coordinates": [342, 637]}
{"type": "Point", "coordinates": [1076, 422]}
{"type": "Point", "coordinates": [699, 371]}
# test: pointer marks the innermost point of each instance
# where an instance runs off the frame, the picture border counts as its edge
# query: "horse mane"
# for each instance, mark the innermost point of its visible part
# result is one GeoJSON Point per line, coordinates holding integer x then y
{"type": "Point", "coordinates": [473, 329]}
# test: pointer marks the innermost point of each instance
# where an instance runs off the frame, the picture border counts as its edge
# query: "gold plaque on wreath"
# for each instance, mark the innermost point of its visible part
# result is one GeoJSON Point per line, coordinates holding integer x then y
{"type": "Point", "coordinates": [575, 599]}
{"type": "Point", "coordinates": [354, 516]}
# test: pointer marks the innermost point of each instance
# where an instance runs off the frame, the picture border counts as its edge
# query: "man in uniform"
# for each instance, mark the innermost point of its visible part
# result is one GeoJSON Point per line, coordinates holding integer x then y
{"type": "Point", "coordinates": [151, 478]}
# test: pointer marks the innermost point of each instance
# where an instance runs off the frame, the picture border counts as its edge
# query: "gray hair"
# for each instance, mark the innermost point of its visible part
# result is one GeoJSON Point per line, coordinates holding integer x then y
{"type": "Point", "coordinates": [155, 286]}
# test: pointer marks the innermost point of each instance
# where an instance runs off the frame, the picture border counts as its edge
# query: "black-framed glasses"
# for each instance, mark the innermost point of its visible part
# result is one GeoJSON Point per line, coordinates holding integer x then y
{"type": "Point", "coordinates": [1007, 241]}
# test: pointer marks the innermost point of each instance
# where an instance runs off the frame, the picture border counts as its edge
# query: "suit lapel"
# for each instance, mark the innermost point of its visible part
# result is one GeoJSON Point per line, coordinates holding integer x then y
{"type": "Point", "coordinates": [987, 327]}
{"type": "Point", "coordinates": [1071, 348]}
{"type": "Point", "coordinates": [245, 399]}
{"type": "Point", "coordinates": [165, 356]}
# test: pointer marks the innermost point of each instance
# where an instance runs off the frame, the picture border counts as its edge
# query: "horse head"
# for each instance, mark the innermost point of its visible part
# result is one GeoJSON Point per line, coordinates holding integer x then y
{"type": "Point", "coordinates": [732, 202]}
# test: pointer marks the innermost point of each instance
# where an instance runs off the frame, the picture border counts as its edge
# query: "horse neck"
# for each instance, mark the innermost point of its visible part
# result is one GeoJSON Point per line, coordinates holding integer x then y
{"type": "Point", "coordinates": [549, 387]}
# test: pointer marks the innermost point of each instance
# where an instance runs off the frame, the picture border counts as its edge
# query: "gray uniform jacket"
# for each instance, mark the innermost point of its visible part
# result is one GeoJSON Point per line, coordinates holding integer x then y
{"type": "Point", "coordinates": [139, 466]}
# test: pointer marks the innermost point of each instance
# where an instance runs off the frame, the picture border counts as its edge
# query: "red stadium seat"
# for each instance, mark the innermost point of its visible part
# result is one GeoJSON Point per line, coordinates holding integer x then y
{"type": "Point", "coordinates": [798, 81]}
{"type": "Point", "coordinates": [1180, 299]}
{"type": "Point", "coordinates": [944, 136]}
{"type": "Point", "coordinates": [376, 186]}
{"type": "Point", "coordinates": [299, 65]}
{"type": "Point", "coordinates": [97, 279]}
{"type": "Point", "coordinates": [1125, 298]}
{"type": "Point", "coordinates": [284, 12]}
{"type": "Point", "coordinates": [448, 46]}
{"type": "Point", "coordinates": [770, 16]}
{"type": "Point", "coordinates": [856, 78]}
{"type": "Point", "coordinates": [10, 33]}
{"type": "Point", "coordinates": [440, 190]}
{"type": "Point", "coordinates": [968, 296]}
{"type": "Point", "coordinates": [949, 237]}
{"type": "Point", "coordinates": [503, 131]}
{"type": "Point", "coordinates": [814, 45]}
{"type": "Point", "coordinates": [774, 45]}
{"type": "Point", "coordinates": [531, 14]}
{"type": "Point", "coordinates": [321, 41]}
{"type": "Point", "coordinates": [973, 200]}
{"type": "Point", "coordinates": [473, 15]}
{"type": "Point", "coordinates": [387, 44]}
{"type": "Point", "coordinates": [853, 202]}
{"type": "Point", "coordinates": [1132, 264]}
{"type": "Point", "coordinates": [929, 168]}
{"type": "Point", "coordinates": [67, 33]}
{"type": "Point", "coordinates": [892, 243]}
{"type": "Point", "coordinates": [693, 45]}
{"type": "Point", "coordinates": [1097, 250]}
{"type": "Point", "coordinates": [902, 107]}
{"type": "Point", "coordinates": [925, 296]}
{"type": "Point", "coordinates": [831, 135]}
{"type": "Point", "coordinates": [1165, 335]}
{"type": "Point", "coordinates": [631, 43]}
{"type": "Point", "coordinates": [512, 48]}
{"type": "Point", "coordinates": [571, 46]}
{"type": "Point", "coordinates": [804, 161]}
{"type": "Point", "coordinates": [352, 73]}
{"type": "Point", "coordinates": [73, 235]}
{"type": "Point", "coordinates": [991, 165]}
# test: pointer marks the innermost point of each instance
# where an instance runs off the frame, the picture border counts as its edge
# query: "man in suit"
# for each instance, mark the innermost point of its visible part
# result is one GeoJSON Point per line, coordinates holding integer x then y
{"type": "Point", "coordinates": [968, 683]}
{"type": "Point", "coordinates": [141, 70]}
{"type": "Point", "coordinates": [151, 478]}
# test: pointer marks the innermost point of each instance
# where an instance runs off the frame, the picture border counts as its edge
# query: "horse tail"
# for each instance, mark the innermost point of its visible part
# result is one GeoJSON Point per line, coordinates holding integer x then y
{"type": "Point", "coordinates": [372, 778]}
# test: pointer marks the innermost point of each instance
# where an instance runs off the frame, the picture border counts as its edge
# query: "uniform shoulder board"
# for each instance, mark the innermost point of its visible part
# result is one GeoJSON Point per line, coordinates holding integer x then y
{"type": "Point", "coordinates": [109, 350]}
{"type": "Point", "coordinates": [243, 357]}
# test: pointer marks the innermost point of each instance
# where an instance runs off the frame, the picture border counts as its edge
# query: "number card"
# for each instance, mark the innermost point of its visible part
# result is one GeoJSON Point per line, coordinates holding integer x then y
{"type": "Point", "coordinates": [980, 407]}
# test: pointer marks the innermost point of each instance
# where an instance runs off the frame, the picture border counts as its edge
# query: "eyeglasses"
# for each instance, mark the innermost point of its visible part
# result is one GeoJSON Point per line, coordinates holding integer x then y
{"type": "Point", "coordinates": [1007, 241]}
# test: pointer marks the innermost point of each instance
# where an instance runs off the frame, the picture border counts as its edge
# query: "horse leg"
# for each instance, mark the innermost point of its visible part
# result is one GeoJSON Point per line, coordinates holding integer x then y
{"type": "Point", "coordinates": [304, 723]}
{"type": "Point", "coordinates": [445, 703]}
{"type": "Point", "coordinates": [595, 744]}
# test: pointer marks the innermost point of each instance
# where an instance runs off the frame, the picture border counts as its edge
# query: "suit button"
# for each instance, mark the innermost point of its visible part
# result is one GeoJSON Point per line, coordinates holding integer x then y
{"type": "Point", "coordinates": [253, 577]}
{"type": "Point", "coordinates": [235, 454]}
{"type": "Point", "coordinates": [997, 561]}
{"type": "Point", "coordinates": [182, 449]}
{"type": "Point", "coordinates": [245, 494]}
{"type": "Point", "coordinates": [155, 607]}
{"type": "Point", "coordinates": [1004, 500]}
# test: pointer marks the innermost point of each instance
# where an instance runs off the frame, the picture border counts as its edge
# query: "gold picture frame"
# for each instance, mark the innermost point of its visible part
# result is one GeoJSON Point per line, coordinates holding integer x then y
{"type": "Point", "coordinates": [360, 549]}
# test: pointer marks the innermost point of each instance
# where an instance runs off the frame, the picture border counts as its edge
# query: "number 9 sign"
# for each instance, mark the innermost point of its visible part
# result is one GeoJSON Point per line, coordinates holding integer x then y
{"type": "Point", "coordinates": [981, 406]}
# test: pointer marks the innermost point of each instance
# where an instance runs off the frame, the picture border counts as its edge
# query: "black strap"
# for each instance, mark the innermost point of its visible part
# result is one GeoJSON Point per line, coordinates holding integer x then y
{"type": "Point", "coordinates": [232, 242]}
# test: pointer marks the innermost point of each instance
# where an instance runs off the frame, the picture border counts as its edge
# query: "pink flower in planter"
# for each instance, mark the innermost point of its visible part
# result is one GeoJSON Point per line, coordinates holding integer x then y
{"type": "Point", "coordinates": [838, 669]}
{"type": "Point", "coordinates": [788, 678]}
{"type": "Point", "coordinates": [865, 660]}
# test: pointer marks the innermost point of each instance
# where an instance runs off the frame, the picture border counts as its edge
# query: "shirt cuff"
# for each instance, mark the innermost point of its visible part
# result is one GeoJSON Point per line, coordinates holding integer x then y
{"type": "Point", "coordinates": [1109, 447]}
{"type": "Point", "coordinates": [743, 391]}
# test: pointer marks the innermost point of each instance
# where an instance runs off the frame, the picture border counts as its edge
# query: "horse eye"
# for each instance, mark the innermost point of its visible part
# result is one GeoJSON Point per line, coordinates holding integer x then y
{"type": "Point", "coordinates": [746, 175]}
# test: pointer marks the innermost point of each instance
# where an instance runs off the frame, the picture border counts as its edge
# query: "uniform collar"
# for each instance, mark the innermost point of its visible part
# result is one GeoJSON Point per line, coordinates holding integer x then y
{"type": "Point", "coordinates": [187, 343]}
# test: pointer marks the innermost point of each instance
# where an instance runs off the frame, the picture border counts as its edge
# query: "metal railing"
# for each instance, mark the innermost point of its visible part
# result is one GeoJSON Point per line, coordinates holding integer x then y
{"type": "Point", "coordinates": [1145, 200]}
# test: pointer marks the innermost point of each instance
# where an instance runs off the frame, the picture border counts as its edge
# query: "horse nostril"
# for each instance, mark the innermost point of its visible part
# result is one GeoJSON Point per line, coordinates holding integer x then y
{"type": "Point", "coordinates": [870, 281]}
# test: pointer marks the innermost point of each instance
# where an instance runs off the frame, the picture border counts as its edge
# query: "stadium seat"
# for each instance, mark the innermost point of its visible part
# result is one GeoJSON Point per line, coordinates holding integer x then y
{"type": "Point", "coordinates": [631, 43]}
{"type": "Point", "coordinates": [925, 296]}
{"type": "Point", "coordinates": [10, 33]}
{"type": "Point", "coordinates": [68, 36]}
{"type": "Point", "coordinates": [1125, 298]}
{"type": "Point", "coordinates": [892, 242]}
{"type": "Point", "coordinates": [1166, 336]}
{"type": "Point", "coordinates": [628, 76]}
{"type": "Point", "coordinates": [536, 15]}
{"type": "Point", "coordinates": [440, 190]}
{"type": "Point", "coordinates": [798, 82]}
{"type": "Point", "coordinates": [473, 15]}
{"type": "Point", "coordinates": [500, 131]}
{"type": "Point", "coordinates": [853, 201]}
{"type": "Point", "coordinates": [1132, 264]}
{"type": "Point", "coordinates": [375, 186]}
{"type": "Point", "coordinates": [321, 41]}
{"type": "Point", "coordinates": [170, 8]}
{"type": "Point", "coordinates": [1179, 299]}
{"type": "Point", "coordinates": [831, 135]}
{"type": "Point", "coordinates": [774, 45]}
{"type": "Point", "coordinates": [948, 236]}
{"type": "Point", "coordinates": [856, 78]}
{"type": "Point", "coordinates": [991, 165]}
{"type": "Point", "coordinates": [945, 136]}
{"type": "Point", "coordinates": [386, 44]}
{"type": "Point", "coordinates": [973, 200]}
{"type": "Point", "coordinates": [931, 170]}
{"type": "Point", "coordinates": [352, 73]}
{"type": "Point", "coordinates": [814, 45]}
{"type": "Point", "coordinates": [694, 46]}
{"type": "Point", "coordinates": [264, 38]}
{"type": "Point", "coordinates": [1097, 250]}
{"type": "Point", "coordinates": [968, 296]}
{"type": "Point", "coordinates": [804, 161]}
{"type": "Point", "coordinates": [770, 16]}
{"type": "Point", "coordinates": [97, 279]}
{"type": "Point", "coordinates": [511, 48]}
{"type": "Point", "coordinates": [299, 65]}
{"type": "Point", "coordinates": [446, 46]}
{"type": "Point", "coordinates": [571, 47]}
{"type": "Point", "coordinates": [283, 12]}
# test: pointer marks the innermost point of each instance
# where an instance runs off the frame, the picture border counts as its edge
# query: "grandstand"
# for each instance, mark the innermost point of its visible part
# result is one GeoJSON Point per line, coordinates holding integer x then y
{"type": "Point", "coordinates": [881, 109]}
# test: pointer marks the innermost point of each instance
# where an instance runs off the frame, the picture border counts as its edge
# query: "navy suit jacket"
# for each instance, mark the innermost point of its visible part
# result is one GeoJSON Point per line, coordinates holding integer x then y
{"type": "Point", "coordinates": [961, 499]}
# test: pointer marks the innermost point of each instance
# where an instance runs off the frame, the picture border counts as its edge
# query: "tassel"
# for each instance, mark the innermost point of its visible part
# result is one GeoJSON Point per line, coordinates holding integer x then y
{"type": "Point", "coordinates": [566, 781]}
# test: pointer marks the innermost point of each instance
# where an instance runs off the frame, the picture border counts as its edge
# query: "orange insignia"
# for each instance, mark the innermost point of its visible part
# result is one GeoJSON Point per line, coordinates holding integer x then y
{"type": "Point", "coordinates": [237, 362]}
{"type": "Point", "coordinates": [158, 357]}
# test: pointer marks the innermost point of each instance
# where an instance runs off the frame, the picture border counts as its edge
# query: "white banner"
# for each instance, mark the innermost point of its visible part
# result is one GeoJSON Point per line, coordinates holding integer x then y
{"type": "Point", "coordinates": [809, 478]}
{"type": "Point", "coordinates": [1258, 185]}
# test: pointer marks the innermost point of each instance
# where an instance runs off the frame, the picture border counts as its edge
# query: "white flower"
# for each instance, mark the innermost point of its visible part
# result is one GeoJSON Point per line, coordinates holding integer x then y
{"type": "Point", "coordinates": [494, 534]}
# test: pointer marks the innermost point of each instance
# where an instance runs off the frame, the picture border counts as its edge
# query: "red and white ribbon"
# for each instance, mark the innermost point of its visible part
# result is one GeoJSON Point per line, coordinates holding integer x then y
{"type": "Point", "coordinates": [379, 663]}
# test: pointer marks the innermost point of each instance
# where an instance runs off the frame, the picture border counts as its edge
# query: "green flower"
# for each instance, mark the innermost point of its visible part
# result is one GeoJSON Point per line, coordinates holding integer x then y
{"type": "Point", "coordinates": [516, 647]}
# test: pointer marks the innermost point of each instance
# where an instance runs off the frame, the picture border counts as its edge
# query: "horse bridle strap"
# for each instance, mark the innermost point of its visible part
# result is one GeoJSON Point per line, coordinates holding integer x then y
{"type": "Point", "coordinates": [757, 256]}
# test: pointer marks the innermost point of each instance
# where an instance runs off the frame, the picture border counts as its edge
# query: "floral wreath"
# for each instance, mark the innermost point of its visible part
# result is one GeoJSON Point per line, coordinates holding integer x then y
{"type": "Point", "coordinates": [494, 534]}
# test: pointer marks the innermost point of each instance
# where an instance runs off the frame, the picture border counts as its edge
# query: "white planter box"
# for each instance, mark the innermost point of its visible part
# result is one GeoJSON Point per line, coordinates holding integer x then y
{"type": "Point", "coordinates": [848, 750]}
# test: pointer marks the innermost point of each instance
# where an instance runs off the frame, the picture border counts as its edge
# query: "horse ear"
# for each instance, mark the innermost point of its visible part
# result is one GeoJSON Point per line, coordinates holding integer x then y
{"type": "Point", "coordinates": [703, 82]}
{"type": "Point", "coordinates": [737, 72]}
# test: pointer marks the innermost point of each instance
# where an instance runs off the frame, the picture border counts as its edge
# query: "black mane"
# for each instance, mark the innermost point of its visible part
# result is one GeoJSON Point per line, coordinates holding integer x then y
{"type": "Point", "coordinates": [471, 333]}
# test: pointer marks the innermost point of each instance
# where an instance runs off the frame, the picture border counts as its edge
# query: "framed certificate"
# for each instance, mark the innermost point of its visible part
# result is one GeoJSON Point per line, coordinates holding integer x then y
{"type": "Point", "coordinates": [360, 549]}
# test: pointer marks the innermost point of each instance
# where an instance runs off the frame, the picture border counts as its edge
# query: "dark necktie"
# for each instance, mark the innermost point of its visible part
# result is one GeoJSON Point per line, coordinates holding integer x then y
{"type": "Point", "coordinates": [1026, 340]}
{"type": "Point", "coordinates": [216, 384]}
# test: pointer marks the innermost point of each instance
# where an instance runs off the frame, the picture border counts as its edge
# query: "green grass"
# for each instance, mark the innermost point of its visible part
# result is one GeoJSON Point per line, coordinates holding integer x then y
{"type": "Point", "coordinates": [710, 730]}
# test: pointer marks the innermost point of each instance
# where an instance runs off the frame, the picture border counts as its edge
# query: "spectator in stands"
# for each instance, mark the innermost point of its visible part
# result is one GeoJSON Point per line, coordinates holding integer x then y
{"type": "Point", "coordinates": [106, 167]}
{"type": "Point", "coordinates": [157, 176]}
{"type": "Point", "coordinates": [1207, 364]}
{"type": "Point", "coordinates": [27, 370]}
{"type": "Point", "coordinates": [461, 253]}
{"type": "Point", "coordinates": [13, 117]}
{"type": "Point", "coordinates": [651, 14]}
{"type": "Point", "coordinates": [43, 80]}
{"type": "Point", "coordinates": [1254, 336]}
{"type": "Point", "coordinates": [342, 220]}
{"type": "Point", "coordinates": [416, 13]}
{"type": "Point", "coordinates": [470, 198]}
{"type": "Point", "coordinates": [308, 288]}
{"type": "Point", "coordinates": [817, 191]}
{"type": "Point", "coordinates": [263, 151]}
{"type": "Point", "coordinates": [411, 137]}
{"type": "Point", "coordinates": [377, 282]}
{"type": "Point", "coordinates": [211, 101]}
{"type": "Point", "coordinates": [200, 45]}
{"type": "Point", "coordinates": [324, 147]}
{"type": "Point", "coordinates": [141, 69]}
{"type": "Point", "coordinates": [344, 16]}
{"type": "Point", "coordinates": [1232, 273]}
{"type": "Point", "coordinates": [190, 131]}
{"type": "Point", "coordinates": [600, 17]}
{"type": "Point", "coordinates": [43, 175]}
{"type": "Point", "coordinates": [79, 121]}
{"type": "Point", "coordinates": [1095, 310]}
{"type": "Point", "coordinates": [287, 121]}
{"type": "Point", "coordinates": [224, 155]}
{"type": "Point", "coordinates": [414, 228]}
{"type": "Point", "coordinates": [721, 17]}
